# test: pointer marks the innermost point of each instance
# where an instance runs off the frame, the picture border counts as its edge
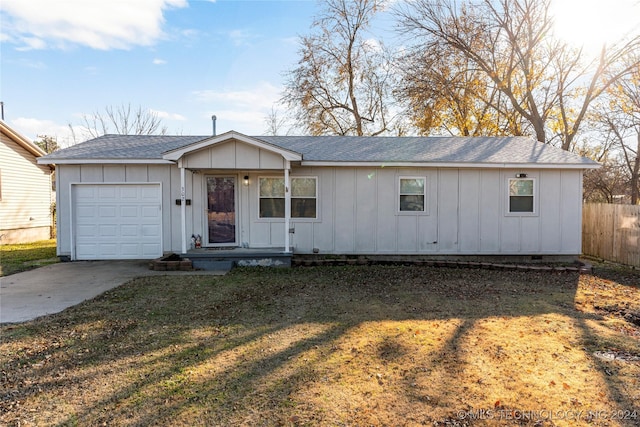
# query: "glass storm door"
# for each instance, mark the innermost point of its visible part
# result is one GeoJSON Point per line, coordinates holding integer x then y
{"type": "Point", "coordinates": [221, 210]}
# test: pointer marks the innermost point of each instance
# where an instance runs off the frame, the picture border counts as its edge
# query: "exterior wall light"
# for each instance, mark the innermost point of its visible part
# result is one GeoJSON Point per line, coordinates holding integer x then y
{"type": "Point", "coordinates": [246, 180]}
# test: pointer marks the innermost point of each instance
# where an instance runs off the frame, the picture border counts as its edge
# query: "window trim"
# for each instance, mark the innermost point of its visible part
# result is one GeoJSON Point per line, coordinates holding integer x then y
{"type": "Point", "coordinates": [425, 206]}
{"type": "Point", "coordinates": [291, 178]}
{"type": "Point", "coordinates": [534, 195]}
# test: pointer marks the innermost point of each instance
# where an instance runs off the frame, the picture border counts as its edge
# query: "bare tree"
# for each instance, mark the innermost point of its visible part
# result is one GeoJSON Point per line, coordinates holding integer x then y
{"type": "Point", "coordinates": [343, 81]}
{"type": "Point", "coordinates": [619, 123]}
{"type": "Point", "coordinates": [121, 120]}
{"type": "Point", "coordinates": [511, 43]}
{"type": "Point", "coordinates": [276, 123]}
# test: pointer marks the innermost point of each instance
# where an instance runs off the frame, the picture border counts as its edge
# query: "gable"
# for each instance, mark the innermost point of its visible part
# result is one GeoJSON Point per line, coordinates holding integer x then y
{"type": "Point", "coordinates": [233, 154]}
{"type": "Point", "coordinates": [233, 136]}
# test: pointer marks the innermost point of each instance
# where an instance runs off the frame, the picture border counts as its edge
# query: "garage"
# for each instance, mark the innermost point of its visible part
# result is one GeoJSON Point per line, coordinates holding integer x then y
{"type": "Point", "coordinates": [116, 221]}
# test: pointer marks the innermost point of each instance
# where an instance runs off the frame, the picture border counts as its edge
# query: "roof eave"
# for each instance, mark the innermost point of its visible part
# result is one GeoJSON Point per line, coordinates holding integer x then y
{"type": "Point", "coordinates": [22, 140]}
{"type": "Point", "coordinates": [77, 161]}
{"type": "Point", "coordinates": [459, 165]}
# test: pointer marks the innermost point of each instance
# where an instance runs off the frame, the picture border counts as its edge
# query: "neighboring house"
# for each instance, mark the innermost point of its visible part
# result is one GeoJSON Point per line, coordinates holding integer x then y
{"type": "Point", "coordinates": [140, 196]}
{"type": "Point", "coordinates": [25, 190]}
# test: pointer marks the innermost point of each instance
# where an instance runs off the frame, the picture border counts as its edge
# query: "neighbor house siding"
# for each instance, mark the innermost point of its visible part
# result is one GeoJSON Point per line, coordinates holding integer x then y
{"type": "Point", "coordinates": [25, 190]}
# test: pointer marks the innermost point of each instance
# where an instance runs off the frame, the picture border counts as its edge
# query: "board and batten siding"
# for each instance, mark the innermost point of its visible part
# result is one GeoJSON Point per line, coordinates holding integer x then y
{"type": "Point", "coordinates": [233, 155]}
{"type": "Point", "coordinates": [466, 214]}
{"type": "Point", "coordinates": [167, 175]}
{"type": "Point", "coordinates": [25, 195]}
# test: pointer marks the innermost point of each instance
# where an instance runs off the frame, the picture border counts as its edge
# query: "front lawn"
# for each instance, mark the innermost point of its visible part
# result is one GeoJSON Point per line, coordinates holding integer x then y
{"type": "Point", "coordinates": [335, 346]}
{"type": "Point", "coordinates": [26, 256]}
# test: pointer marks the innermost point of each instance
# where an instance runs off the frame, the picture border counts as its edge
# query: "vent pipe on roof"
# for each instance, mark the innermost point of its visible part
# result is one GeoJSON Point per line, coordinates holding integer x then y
{"type": "Point", "coordinates": [213, 120]}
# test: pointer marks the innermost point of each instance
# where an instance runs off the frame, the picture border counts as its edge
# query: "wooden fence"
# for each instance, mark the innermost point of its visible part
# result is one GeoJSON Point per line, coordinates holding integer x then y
{"type": "Point", "coordinates": [612, 232]}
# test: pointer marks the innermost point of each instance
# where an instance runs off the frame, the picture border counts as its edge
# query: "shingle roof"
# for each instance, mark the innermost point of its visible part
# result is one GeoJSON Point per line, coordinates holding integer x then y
{"type": "Point", "coordinates": [426, 149]}
{"type": "Point", "coordinates": [124, 147]}
{"type": "Point", "coordinates": [351, 149]}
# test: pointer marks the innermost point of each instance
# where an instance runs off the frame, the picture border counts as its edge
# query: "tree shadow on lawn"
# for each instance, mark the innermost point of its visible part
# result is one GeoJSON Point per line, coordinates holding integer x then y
{"type": "Point", "coordinates": [316, 346]}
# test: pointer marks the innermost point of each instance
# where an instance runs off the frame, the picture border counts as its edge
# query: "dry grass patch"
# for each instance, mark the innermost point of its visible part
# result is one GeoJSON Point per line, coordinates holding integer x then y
{"type": "Point", "coordinates": [334, 346]}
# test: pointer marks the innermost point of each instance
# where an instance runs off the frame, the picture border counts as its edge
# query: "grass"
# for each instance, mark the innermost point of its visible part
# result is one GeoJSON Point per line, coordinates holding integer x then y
{"type": "Point", "coordinates": [26, 256]}
{"type": "Point", "coordinates": [334, 346]}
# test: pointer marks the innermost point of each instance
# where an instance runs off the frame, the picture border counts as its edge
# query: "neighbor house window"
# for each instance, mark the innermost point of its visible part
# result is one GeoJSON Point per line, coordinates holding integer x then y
{"type": "Point", "coordinates": [521, 195]}
{"type": "Point", "coordinates": [412, 194]}
{"type": "Point", "coordinates": [303, 197]}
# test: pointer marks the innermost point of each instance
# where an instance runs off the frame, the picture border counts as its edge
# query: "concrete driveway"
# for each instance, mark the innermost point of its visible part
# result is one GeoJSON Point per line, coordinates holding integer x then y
{"type": "Point", "coordinates": [53, 288]}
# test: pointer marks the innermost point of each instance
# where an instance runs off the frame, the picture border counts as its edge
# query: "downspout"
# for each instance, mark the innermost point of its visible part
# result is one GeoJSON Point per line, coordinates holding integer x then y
{"type": "Point", "coordinates": [287, 206]}
{"type": "Point", "coordinates": [183, 207]}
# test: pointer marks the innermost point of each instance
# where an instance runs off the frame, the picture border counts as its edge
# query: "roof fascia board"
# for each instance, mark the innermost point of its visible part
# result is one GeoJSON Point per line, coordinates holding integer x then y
{"type": "Point", "coordinates": [22, 140]}
{"type": "Point", "coordinates": [455, 165]}
{"type": "Point", "coordinates": [104, 161]}
{"type": "Point", "coordinates": [214, 140]}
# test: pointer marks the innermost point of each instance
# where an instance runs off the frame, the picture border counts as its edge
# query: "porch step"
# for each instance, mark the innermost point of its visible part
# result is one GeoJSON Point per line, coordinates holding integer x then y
{"type": "Point", "coordinates": [207, 259]}
{"type": "Point", "coordinates": [209, 264]}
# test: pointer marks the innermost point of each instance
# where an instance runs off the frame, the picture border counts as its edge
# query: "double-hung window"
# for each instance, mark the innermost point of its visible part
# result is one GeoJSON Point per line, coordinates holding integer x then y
{"type": "Point", "coordinates": [304, 199]}
{"type": "Point", "coordinates": [521, 195]}
{"type": "Point", "coordinates": [412, 194]}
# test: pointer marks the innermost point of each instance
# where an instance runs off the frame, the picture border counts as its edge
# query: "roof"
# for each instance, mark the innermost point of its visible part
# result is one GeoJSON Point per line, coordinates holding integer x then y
{"type": "Point", "coordinates": [334, 150]}
{"type": "Point", "coordinates": [21, 140]}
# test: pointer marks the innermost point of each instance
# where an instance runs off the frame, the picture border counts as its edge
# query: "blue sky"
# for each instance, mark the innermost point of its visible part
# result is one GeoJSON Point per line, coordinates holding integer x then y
{"type": "Point", "coordinates": [183, 59]}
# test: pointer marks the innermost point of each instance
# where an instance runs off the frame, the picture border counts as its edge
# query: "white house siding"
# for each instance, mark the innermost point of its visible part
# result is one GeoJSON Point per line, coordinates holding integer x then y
{"type": "Point", "coordinates": [167, 175]}
{"type": "Point", "coordinates": [233, 155]}
{"type": "Point", "coordinates": [25, 190]}
{"type": "Point", "coordinates": [357, 209]}
{"type": "Point", "coordinates": [466, 214]}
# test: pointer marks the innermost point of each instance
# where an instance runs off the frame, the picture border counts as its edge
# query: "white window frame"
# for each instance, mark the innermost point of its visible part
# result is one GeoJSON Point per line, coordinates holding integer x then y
{"type": "Point", "coordinates": [291, 178]}
{"type": "Point", "coordinates": [399, 194]}
{"type": "Point", "coordinates": [534, 195]}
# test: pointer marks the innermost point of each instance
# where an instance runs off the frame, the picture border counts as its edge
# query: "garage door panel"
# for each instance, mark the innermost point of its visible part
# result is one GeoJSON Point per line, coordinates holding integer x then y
{"type": "Point", "coordinates": [87, 231]}
{"type": "Point", "coordinates": [129, 211]}
{"type": "Point", "coordinates": [108, 211]}
{"type": "Point", "coordinates": [108, 230]}
{"type": "Point", "coordinates": [127, 193]}
{"type": "Point", "coordinates": [129, 230]}
{"type": "Point", "coordinates": [150, 211]}
{"type": "Point", "coordinates": [150, 231]}
{"type": "Point", "coordinates": [107, 193]}
{"type": "Point", "coordinates": [117, 221]}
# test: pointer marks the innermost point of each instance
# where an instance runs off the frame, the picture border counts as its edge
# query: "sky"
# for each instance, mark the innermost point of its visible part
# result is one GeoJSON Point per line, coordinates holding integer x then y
{"type": "Point", "coordinates": [184, 60]}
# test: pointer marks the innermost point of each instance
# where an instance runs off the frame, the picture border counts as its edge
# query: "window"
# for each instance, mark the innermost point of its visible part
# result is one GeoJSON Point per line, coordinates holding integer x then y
{"type": "Point", "coordinates": [412, 195]}
{"type": "Point", "coordinates": [521, 195]}
{"type": "Point", "coordinates": [303, 197]}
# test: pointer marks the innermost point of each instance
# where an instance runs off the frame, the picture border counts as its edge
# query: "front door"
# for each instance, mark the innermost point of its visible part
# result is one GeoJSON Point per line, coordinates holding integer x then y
{"type": "Point", "coordinates": [221, 211]}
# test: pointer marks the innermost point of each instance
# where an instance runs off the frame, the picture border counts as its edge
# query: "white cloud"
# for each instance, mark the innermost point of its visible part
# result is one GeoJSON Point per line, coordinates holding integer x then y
{"type": "Point", "coordinates": [166, 115]}
{"type": "Point", "coordinates": [264, 95]}
{"type": "Point", "coordinates": [158, 61]}
{"type": "Point", "coordinates": [36, 128]}
{"type": "Point", "coordinates": [240, 37]}
{"type": "Point", "coordinates": [99, 24]}
{"type": "Point", "coordinates": [241, 110]}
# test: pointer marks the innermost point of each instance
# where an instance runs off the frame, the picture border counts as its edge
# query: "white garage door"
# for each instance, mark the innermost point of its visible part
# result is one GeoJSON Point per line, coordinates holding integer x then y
{"type": "Point", "coordinates": [117, 221]}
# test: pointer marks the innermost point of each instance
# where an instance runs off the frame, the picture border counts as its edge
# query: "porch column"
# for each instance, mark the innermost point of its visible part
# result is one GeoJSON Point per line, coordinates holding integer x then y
{"type": "Point", "coordinates": [287, 206]}
{"type": "Point", "coordinates": [183, 207]}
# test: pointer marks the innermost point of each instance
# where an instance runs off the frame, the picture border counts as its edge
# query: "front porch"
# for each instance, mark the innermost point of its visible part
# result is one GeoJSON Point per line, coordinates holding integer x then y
{"type": "Point", "coordinates": [227, 258]}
